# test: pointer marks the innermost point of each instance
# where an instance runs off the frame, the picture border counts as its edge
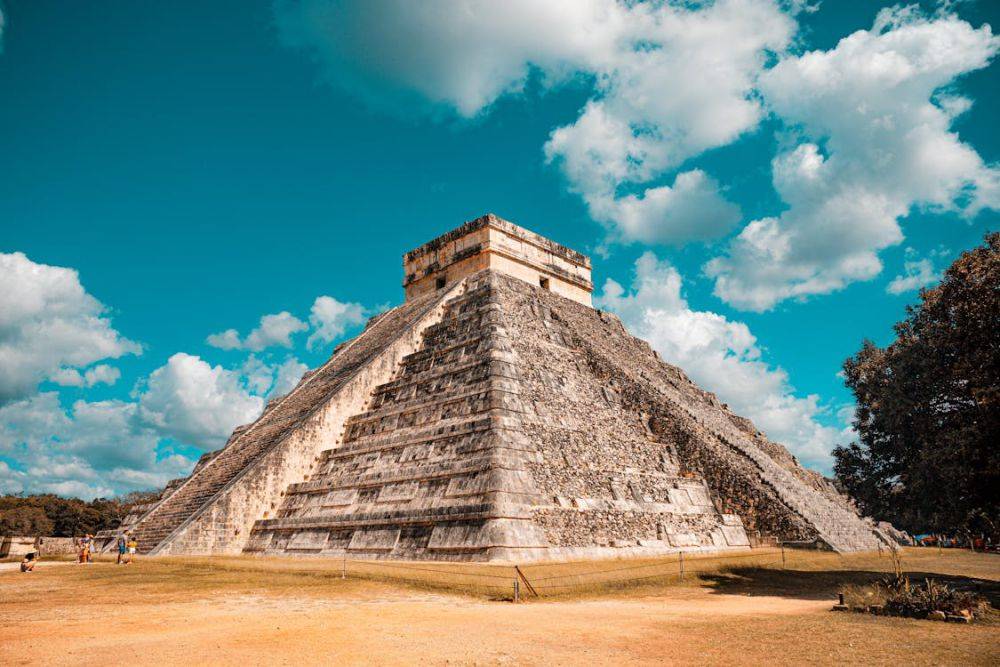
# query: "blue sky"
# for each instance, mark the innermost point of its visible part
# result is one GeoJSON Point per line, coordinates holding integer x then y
{"type": "Point", "coordinates": [763, 184]}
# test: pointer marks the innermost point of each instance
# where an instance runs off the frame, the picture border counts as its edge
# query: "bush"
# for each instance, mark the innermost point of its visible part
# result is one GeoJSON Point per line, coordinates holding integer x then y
{"type": "Point", "coordinates": [896, 596]}
{"type": "Point", "coordinates": [920, 600]}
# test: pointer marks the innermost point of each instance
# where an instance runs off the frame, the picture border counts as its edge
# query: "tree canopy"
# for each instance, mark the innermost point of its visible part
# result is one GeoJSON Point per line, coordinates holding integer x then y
{"type": "Point", "coordinates": [51, 515]}
{"type": "Point", "coordinates": [928, 407]}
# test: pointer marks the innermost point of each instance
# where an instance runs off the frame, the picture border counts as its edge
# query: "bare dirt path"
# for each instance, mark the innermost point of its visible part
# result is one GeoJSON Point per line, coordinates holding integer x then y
{"type": "Point", "coordinates": [163, 615]}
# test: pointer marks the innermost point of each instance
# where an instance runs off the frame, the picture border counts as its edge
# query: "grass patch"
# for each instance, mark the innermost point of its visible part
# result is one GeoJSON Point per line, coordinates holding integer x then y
{"type": "Point", "coordinates": [805, 574]}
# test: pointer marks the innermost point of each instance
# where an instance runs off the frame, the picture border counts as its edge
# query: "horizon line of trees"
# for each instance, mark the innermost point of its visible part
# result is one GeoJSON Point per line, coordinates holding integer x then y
{"type": "Point", "coordinates": [49, 515]}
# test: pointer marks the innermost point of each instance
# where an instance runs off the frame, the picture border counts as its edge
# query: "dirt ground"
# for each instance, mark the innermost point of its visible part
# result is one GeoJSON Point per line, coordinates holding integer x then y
{"type": "Point", "coordinates": [241, 611]}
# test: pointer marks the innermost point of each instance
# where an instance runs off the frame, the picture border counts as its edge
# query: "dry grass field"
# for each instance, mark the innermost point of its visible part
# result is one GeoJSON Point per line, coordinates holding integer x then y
{"type": "Point", "coordinates": [261, 611]}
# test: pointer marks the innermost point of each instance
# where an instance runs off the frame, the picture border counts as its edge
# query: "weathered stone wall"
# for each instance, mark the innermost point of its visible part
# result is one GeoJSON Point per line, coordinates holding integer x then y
{"type": "Point", "coordinates": [604, 479]}
{"type": "Point", "coordinates": [12, 546]}
{"type": "Point", "coordinates": [490, 242]}
{"type": "Point", "coordinates": [747, 474]}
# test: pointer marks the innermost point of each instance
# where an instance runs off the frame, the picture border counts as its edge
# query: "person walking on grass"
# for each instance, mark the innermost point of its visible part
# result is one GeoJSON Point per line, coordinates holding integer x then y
{"type": "Point", "coordinates": [122, 544]}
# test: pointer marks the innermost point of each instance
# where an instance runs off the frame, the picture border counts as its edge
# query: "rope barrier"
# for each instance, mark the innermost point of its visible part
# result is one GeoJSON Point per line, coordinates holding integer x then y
{"type": "Point", "coordinates": [428, 569]}
{"type": "Point", "coordinates": [671, 569]}
{"type": "Point", "coordinates": [629, 579]}
{"type": "Point", "coordinates": [390, 575]}
{"type": "Point", "coordinates": [657, 564]}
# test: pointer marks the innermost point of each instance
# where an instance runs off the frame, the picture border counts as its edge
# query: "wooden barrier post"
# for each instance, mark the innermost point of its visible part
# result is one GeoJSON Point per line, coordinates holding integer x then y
{"type": "Point", "coordinates": [517, 591]}
{"type": "Point", "coordinates": [343, 571]}
{"type": "Point", "coordinates": [681, 561]}
{"type": "Point", "coordinates": [527, 584]}
{"type": "Point", "coordinates": [782, 555]}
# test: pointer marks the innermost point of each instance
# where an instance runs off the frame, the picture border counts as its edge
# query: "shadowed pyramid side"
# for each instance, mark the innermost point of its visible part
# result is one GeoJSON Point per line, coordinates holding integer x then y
{"type": "Point", "coordinates": [747, 474]}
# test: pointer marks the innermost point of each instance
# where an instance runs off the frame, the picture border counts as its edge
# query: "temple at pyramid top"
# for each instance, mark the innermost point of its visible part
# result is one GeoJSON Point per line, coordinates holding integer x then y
{"type": "Point", "coordinates": [491, 242]}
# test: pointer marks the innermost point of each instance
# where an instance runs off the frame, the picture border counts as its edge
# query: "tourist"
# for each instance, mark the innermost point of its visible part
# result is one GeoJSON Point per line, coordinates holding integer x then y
{"type": "Point", "coordinates": [122, 546]}
{"type": "Point", "coordinates": [132, 546]}
{"type": "Point", "coordinates": [29, 562]}
{"type": "Point", "coordinates": [88, 543]}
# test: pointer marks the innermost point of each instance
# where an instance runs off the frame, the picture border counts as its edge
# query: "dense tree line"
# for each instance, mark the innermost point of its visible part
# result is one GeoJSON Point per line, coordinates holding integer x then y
{"type": "Point", "coordinates": [928, 415]}
{"type": "Point", "coordinates": [51, 515]}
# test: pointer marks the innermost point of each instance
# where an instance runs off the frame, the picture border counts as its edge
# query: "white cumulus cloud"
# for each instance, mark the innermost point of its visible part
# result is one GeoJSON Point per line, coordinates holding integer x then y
{"type": "Point", "coordinates": [330, 318]}
{"type": "Point", "coordinates": [691, 208]}
{"type": "Point", "coordinates": [463, 55]}
{"type": "Point", "coordinates": [917, 272]}
{"type": "Point", "coordinates": [196, 403]}
{"type": "Point", "coordinates": [722, 356]}
{"type": "Point", "coordinates": [669, 81]}
{"type": "Point", "coordinates": [49, 326]}
{"type": "Point", "coordinates": [88, 450]}
{"type": "Point", "coordinates": [99, 374]}
{"type": "Point", "coordinates": [267, 379]}
{"type": "Point", "coordinates": [274, 330]}
{"type": "Point", "coordinates": [875, 142]}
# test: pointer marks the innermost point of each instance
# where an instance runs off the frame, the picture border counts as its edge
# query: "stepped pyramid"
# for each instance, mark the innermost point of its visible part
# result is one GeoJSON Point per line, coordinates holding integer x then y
{"type": "Point", "coordinates": [495, 415]}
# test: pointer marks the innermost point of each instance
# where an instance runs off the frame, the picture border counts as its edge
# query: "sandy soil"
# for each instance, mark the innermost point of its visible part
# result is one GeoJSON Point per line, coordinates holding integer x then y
{"type": "Point", "coordinates": [76, 615]}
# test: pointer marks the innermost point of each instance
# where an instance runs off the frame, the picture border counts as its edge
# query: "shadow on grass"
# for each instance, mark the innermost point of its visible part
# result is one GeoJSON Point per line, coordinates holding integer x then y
{"type": "Point", "coordinates": [825, 584]}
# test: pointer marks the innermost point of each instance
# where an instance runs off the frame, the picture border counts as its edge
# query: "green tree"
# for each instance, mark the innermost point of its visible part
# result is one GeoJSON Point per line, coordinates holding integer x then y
{"type": "Point", "coordinates": [928, 415]}
{"type": "Point", "coordinates": [25, 521]}
{"type": "Point", "coordinates": [51, 515]}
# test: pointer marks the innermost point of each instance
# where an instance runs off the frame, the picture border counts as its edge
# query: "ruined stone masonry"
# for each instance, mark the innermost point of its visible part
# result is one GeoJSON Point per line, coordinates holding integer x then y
{"type": "Point", "coordinates": [495, 415]}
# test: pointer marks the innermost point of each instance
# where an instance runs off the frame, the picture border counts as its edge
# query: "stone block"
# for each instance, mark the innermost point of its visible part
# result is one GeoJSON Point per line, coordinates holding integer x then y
{"type": "Point", "coordinates": [394, 493]}
{"type": "Point", "coordinates": [735, 536]}
{"type": "Point", "coordinates": [308, 540]}
{"type": "Point", "coordinates": [684, 539]}
{"type": "Point", "coordinates": [374, 539]}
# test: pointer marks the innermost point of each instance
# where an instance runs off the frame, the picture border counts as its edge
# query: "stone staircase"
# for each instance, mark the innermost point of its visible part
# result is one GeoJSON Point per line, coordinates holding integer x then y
{"type": "Point", "coordinates": [281, 417]}
{"type": "Point", "coordinates": [419, 458]}
{"type": "Point", "coordinates": [204, 485]}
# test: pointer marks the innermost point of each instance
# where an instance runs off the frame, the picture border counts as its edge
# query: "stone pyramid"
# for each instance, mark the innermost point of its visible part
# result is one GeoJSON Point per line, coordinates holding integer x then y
{"type": "Point", "coordinates": [496, 415]}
